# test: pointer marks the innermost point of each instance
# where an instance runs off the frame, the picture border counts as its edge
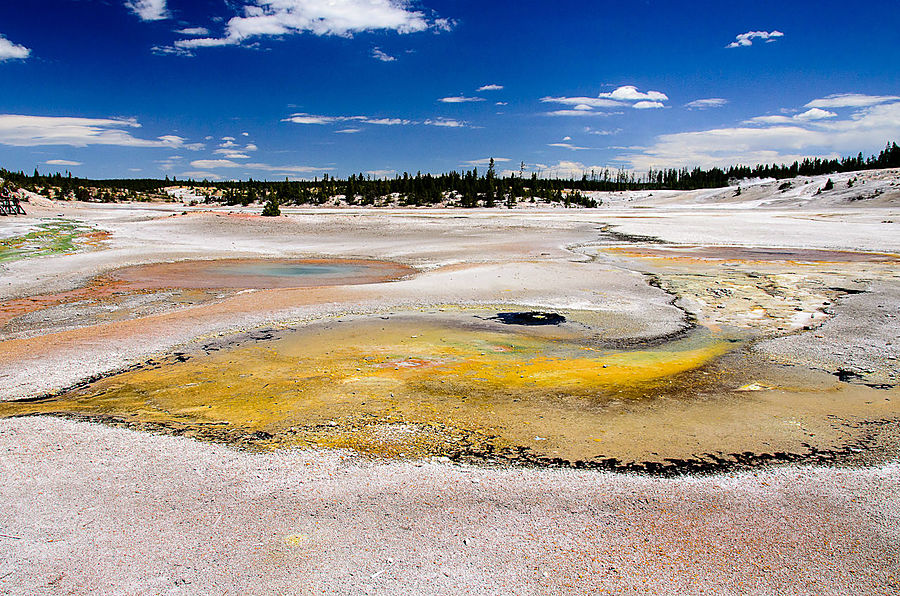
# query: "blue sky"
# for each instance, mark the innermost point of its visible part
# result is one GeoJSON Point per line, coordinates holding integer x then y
{"type": "Point", "coordinates": [297, 88]}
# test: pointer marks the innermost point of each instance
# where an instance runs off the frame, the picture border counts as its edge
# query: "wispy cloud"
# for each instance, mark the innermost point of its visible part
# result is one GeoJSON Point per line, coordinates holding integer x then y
{"type": "Point", "coordinates": [388, 121]}
{"type": "Point", "coordinates": [11, 51]}
{"type": "Point", "coordinates": [706, 104]}
{"type": "Point", "coordinates": [592, 131]}
{"type": "Point", "coordinates": [29, 131]}
{"type": "Point", "coordinates": [850, 100]}
{"type": "Point", "coordinates": [566, 143]}
{"type": "Point", "coordinates": [149, 10]}
{"type": "Point", "coordinates": [460, 99]}
{"type": "Point", "coordinates": [746, 39]}
{"type": "Point", "coordinates": [584, 103]}
{"type": "Point", "coordinates": [194, 31]}
{"type": "Point", "coordinates": [231, 154]}
{"type": "Point", "coordinates": [446, 123]}
{"type": "Point", "coordinates": [303, 118]}
{"type": "Point", "coordinates": [316, 119]}
{"type": "Point", "coordinates": [215, 164]}
{"type": "Point", "coordinates": [378, 54]}
{"type": "Point", "coordinates": [200, 175]}
{"type": "Point", "coordinates": [62, 162]}
{"type": "Point", "coordinates": [491, 87]}
{"type": "Point", "coordinates": [348, 131]}
{"type": "Point", "coordinates": [273, 18]}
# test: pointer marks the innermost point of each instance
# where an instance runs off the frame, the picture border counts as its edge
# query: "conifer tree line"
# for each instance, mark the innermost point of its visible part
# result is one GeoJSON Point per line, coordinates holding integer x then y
{"type": "Point", "coordinates": [464, 189]}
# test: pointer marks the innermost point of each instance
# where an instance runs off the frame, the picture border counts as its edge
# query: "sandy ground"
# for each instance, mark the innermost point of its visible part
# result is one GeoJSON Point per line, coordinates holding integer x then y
{"type": "Point", "coordinates": [93, 509]}
{"type": "Point", "coordinates": [83, 515]}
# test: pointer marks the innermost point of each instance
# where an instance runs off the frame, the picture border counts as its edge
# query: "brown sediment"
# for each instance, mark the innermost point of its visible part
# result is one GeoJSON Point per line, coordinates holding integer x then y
{"type": "Point", "coordinates": [191, 276]}
{"type": "Point", "coordinates": [95, 289]}
{"type": "Point", "coordinates": [754, 254]}
{"type": "Point", "coordinates": [415, 386]}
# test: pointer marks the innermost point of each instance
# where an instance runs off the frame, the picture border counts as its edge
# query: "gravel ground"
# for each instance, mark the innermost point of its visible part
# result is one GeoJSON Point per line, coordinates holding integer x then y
{"type": "Point", "coordinates": [97, 510]}
{"type": "Point", "coordinates": [859, 342]}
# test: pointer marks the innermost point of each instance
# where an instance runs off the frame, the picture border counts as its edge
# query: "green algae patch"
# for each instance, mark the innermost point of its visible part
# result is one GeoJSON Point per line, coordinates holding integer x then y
{"type": "Point", "coordinates": [52, 237]}
{"type": "Point", "coordinates": [417, 385]}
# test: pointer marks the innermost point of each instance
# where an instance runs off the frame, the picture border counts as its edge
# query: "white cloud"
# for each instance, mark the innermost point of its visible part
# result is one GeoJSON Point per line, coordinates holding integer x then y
{"type": "Point", "coordinates": [228, 139]}
{"type": "Point", "coordinates": [195, 31]}
{"type": "Point", "coordinates": [460, 99]}
{"type": "Point", "coordinates": [815, 114]}
{"type": "Point", "coordinates": [630, 93]}
{"type": "Point", "coordinates": [378, 54]}
{"type": "Point", "coordinates": [381, 173]}
{"type": "Point", "coordinates": [808, 115]}
{"type": "Point", "coordinates": [444, 24]}
{"type": "Point", "coordinates": [746, 39]}
{"type": "Point", "coordinates": [485, 161]}
{"type": "Point", "coordinates": [781, 139]}
{"type": "Point", "coordinates": [251, 147]}
{"type": "Point", "coordinates": [149, 10]}
{"type": "Point", "coordinates": [502, 103]}
{"type": "Point", "coordinates": [62, 162]}
{"type": "Point", "coordinates": [491, 87]}
{"type": "Point", "coordinates": [446, 123]}
{"type": "Point", "coordinates": [705, 104]}
{"type": "Point", "coordinates": [262, 18]}
{"type": "Point", "coordinates": [29, 131]}
{"type": "Point", "coordinates": [850, 100]}
{"type": "Point", "coordinates": [625, 96]}
{"type": "Point", "coordinates": [11, 51]}
{"type": "Point", "coordinates": [648, 105]}
{"type": "Point", "coordinates": [348, 131]}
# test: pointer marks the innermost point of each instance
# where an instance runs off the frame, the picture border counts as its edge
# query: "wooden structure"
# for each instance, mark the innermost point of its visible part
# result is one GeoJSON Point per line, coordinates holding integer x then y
{"type": "Point", "coordinates": [9, 203]}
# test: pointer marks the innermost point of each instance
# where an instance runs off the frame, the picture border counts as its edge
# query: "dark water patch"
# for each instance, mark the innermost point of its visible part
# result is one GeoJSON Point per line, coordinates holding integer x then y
{"type": "Point", "coordinates": [530, 318]}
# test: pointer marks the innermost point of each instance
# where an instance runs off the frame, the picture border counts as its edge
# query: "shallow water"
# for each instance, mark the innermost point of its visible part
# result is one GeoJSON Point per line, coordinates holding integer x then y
{"type": "Point", "coordinates": [462, 385]}
{"type": "Point", "coordinates": [258, 273]}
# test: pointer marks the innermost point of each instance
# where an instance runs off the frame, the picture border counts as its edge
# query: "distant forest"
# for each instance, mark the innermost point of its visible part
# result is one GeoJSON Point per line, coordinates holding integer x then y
{"type": "Point", "coordinates": [465, 189]}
